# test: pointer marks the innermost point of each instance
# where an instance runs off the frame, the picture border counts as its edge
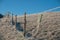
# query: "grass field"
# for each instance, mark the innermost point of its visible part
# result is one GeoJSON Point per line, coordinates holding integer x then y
{"type": "Point", "coordinates": [49, 28]}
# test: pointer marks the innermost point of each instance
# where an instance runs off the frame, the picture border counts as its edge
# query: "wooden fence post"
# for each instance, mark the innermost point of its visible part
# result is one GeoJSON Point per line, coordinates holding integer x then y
{"type": "Point", "coordinates": [24, 23]}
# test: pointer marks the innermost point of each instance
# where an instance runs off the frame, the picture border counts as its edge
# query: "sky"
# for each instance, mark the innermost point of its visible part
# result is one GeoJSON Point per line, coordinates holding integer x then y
{"type": "Point", "coordinates": [19, 7]}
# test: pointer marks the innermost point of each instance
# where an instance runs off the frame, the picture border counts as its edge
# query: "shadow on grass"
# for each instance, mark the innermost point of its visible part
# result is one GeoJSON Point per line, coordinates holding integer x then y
{"type": "Point", "coordinates": [19, 27]}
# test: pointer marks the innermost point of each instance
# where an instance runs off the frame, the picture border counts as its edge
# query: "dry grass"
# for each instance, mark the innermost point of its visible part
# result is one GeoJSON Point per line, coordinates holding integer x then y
{"type": "Point", "coordinates": [49, 27]}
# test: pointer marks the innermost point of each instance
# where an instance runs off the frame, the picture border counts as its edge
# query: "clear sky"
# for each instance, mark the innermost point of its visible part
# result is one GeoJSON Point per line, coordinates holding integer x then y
{"type": "Point", "coordinates": [30, 6]}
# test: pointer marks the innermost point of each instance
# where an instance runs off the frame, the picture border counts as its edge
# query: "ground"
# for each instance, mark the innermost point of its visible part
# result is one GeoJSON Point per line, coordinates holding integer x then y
{"type": "Point", "coordinates": [49, 28]}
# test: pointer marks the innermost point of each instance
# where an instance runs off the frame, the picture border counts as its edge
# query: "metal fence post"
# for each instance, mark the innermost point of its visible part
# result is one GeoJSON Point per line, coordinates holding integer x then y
{"type": "Point", "coordinates": [24, 23]}
{"type": "Point", "coordinates": [15, 20]}
{"type": "Point", "coordinates": [12, 18]}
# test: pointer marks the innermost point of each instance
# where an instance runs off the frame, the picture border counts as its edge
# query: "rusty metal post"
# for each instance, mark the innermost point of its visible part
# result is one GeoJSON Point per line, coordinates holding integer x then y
{"type": "Point", "coordinates": [12, 18]}
{"type": "Point", "coordinates": [24, 23]}
{"type": "Point", "coordinates": [15, 20]}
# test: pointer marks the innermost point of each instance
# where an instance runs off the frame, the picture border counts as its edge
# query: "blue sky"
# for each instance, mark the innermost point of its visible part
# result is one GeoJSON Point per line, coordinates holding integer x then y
{"type": "Point", "coordinates": [30, 6]}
